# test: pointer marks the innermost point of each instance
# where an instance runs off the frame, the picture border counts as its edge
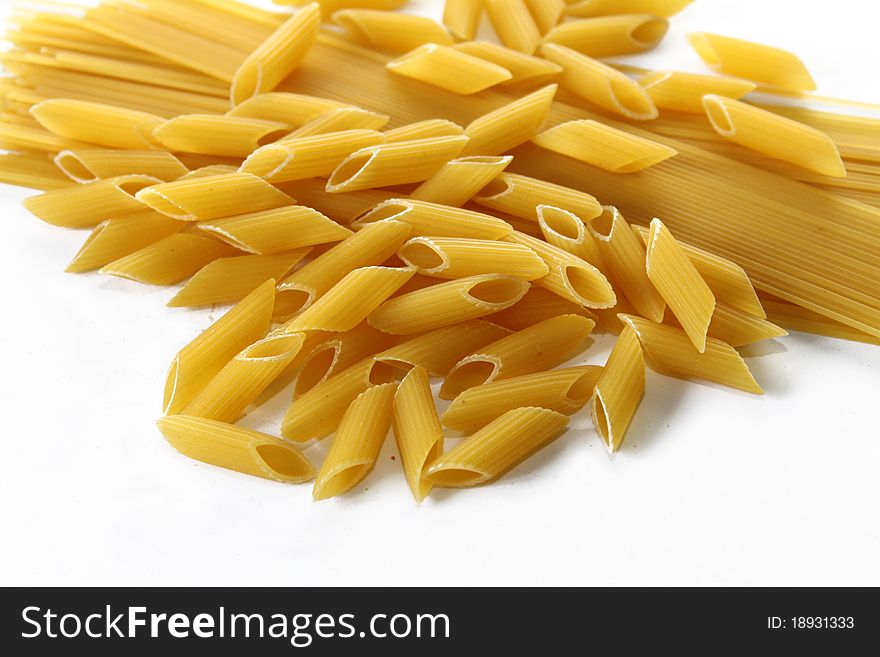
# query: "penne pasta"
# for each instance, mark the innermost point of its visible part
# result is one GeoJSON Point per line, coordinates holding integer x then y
{"type": "Point", "coordinates": [398, 163]}
{"type": "Point", "coordinates": [357, 443]}
{"type": "Point", "coordinates": [423, 130]}
{"type": "Point", "coordinates": [462, 17]}
{"type": "Point", "coordinates": [774, 135]}
{"type": "Point", "coordinates": [229, 280]}
{"type": "Point", "coordinates": [679, 283]}
{"type": "Point", "coordinates": [496, 448]}
{"type": "Point", "coordinates": [514, 24]}
{"type": "Point", "coordinates": [565, 391]}
{"type": "Point", "coordinates": [603, 146]}
{"type": "Point", "coordinates": [295, 110]}
{"type": "Point", "coordinates": [449, 69]}
{"type": "Point", "coordinates": [796, 318]}
{"type": "Point", "coordinates": [90, 165]}
{"type": "Point", "coordinates": [212, 197]}
{"type": "Point", "coordinates": [510, 125]}
{"type": "Point", "coordinates": [330, 7]}
{"type": "Point", "coordinates": [683, 92]}
{"type": "Point", "coordinates": [547, 13]}
{"type": "Point", "coordinates": [199, 361]}
{"type": "Point", "coordinates": [340, 119]}
{"type": "Point", "coordinates": [590, 8]}
{"type": "Point", "coordinates": [32, 170]}
{"type": "Point", "coordinates": [739, 329]}
{"type": "Point", "coordinates": [210, 170]}
{"type": "Point", "coordinates": [566, 231]}
{"type": "Point", "coordinates": [538, 305]}
{"type": "Point", "coordinates": [215, 134]}
{"type": "Point", "coordinates": [598, 83]}
{"type": "Point", "coordinates": [97, 123]}
{"type": "Point", "coordinates": [277, 56]}
{"type": "Point", "coordinates": [276, 231]}
{"type": "Point", "coordinates": [524, 69]}
{"type": "Point", "coordinates": [432, 219]}
{"type": "Point", "coordinates": [235, 448]}
{"type": "Point", "coordinates": [753, 61]}
{"type": "Point", "coordinates": [520, 196]}
{"type": "Point", "coordinates": [608, 36]}
{"type": "Point", "coordinates": [460, 179]}
{"type": "Point", "coordinates": [343, 208]}
{"type": "Point", "coordinates": [460, 258]}
{"type": "Point", "coordinates": [417, 430]}
{"type": "Point", "coordinates": [534, 349]}
{"type": "Point", "coordinates": [619, 390]}
{"type": "Point", "coordinates": [384, 30]}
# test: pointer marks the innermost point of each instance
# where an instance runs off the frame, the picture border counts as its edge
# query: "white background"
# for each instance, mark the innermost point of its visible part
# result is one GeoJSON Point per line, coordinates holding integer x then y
{"type": "Point", "coordinates": [712, 487]}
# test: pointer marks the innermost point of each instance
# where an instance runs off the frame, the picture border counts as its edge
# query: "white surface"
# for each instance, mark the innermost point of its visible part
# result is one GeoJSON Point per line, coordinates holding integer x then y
{"type": "Point", "coordinates": [713, 486]}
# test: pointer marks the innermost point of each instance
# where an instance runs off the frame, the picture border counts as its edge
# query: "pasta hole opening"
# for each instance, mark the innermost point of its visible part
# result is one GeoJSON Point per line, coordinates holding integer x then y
{"type": "Point", "coordinates": [132, 187]}
{"type": "Point", "coordinates": [589, 285]}
{"type": "Point", "coordinates": [421, 51]}
{"type": "Point", "coordinates": [491, 160]}
{"type": "Point", "coordinates": [74, 168]}
{"type": "Point", "coordinates": [170, 387]}
{"type": "Point", "coordinates": [288, 302]}
{"type": "Point", "coordinates": [422, 255]}
{"type": "Point", "coordinates": [389, 210]}
{"type": "Point", "coordinates": [267, 162]}
{"type": "Point", "coordinates": [456, 477]}
{"type": "Point", "coordinates": [283, 461]}
{"type": "Point", "coordinates": [562, 223]}
{"type": "Point", "coordinates": [161, 204]}
{"type": "Point", "coordinates": [649, 33]}
{"type": "Point", "coordinates": [384, 372]}
{"type": "Point", "coordinates": [402, 366]}
{"type": "Point", "coordinates": [272, 348]}
{"type": "Point", "coordinates": [603, 427]}
{"type": "Point", "coordinates": [497, 291]}
{"type": "Point", "coordinates": [634, 101]}
{"type": "Point", "coordinates": [718, 115]}
{"type": "Point", "coordinates": [602, 225]}
{"type": "Point", "coordinates": [317, 368]}
{"type": "Point", "coordinates": [342, 481]}
{"type": "Point", "coordinates": [468, 375]}
{"type": "Point", "coordinates": [581, 390]}
{"type": "Point", "coordinates": [246, 83]}
{"type": "Point", "coordinates": [653, 79]}
{"type": "Point", "coordinates": [271, 137]}
{"type": "Point", "coordinates": [350, 169]}
{"type": "Point", "coordinates": [496, 189]}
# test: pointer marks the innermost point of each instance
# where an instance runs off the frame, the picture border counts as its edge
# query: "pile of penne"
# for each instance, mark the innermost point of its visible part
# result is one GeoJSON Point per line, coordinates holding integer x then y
{"type": "Point", "coordinates": [385, 200]}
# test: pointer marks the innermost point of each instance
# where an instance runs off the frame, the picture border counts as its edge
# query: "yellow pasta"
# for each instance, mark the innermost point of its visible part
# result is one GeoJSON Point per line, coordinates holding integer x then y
{"type": "Point", "coordinates": [432, 219]}
{"type": "Point", "coordinates": [670, 351]}
{"type": "Point", "coordinates": [590, 8]}
{"type": "Point", "coordinates": [538, 305]}
{"type": "Point", "coordinates": [215, 134]}
{"type": "Point", "coordinates": [524, 69]}
{"type": "Point", "coordinates": [520, 196]}
{"type": "Point", "coordinates": [450, 257]}
{"type": "Point", "coordinates": [774, 135]}
{"type": "Point", "coordinates": [212, 197]}
{"type": "Point", "coordinates": [496, 448]}
{"type": "Point", "coordinates": [96, 123]}
{"type": "Point", "coordinates": [752, 61]}
{"type": "Point", "coordinates": [169, 260]}
{"type": "Point", "coordinates": [227, 396]}
{"type": "Point", "coordinates": [229, 280]}
{"type": "Point", "coordinates": [683, 92]}
{"type": "Point", "coordinates": [424, 130]}
{"type": "Point", "coordinates": [600, 84]}
{"type": "Point", "coordinates": [210, 170]}
{"type": "Point", "coordinates": [619, 390]}
{"type": "Point", "coordinates": [738, 329]}
{"type": "Point", "coordinates": [448, 68]}
{"type": "Point", "coordinates": [276, 231]}
{"type": "Point", "coordinates": [340, 119]}
{"type": "Point", "coordinates": [566, 231]}
{"type": "Point", "coordinates": [33, 170]}
{"type": "Point", "coordinates": [460, 179]}
{"type": "Point", "coordinates": [565, 391]}
{"type": "Point", "coordinates": [796, 318]}
{"type": "Point", "coordinates": [308, 157]}
{"type": "Point", "coordinates": [397, 163]}
{"type": "Point", "coordinates": [295, 110]}
{"type": "Point", "coordinates": [462, 17]}
{"type": "Point", "coordinates": [357, 443]}
{"type": "Point", "coordinates": [89, 165]}
{"type": "Point", "coordinates": [607, 36]}
{"type": "Point", "coordinates": [388, 31]}
{"type": "Point", "coordinates": [510, 125]}
{"type": "Point", "coordinates": [547, 13]}
{"type": "Point", "coordinates": [514, 24]}
{"type": "Point", "coordinates": [329, 7]}
{"type": "Point", "coordinates": [235, 448]}
{"type": "Point", "coordinates": [534, 349]}
{"type": "Point", "coordinates": [344, 208]}
{"type": "Point", "coordinates": [679, 283]}
{"type": "Point", "coordinates": [417, 430]}
{"type": "Point", "coordinates": [277, 56]}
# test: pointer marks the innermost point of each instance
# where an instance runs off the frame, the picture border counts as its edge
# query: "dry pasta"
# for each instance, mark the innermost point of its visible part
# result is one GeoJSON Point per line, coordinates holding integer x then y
{"type": "Point", "coordinates": [215, 134]}
{"type": "Point", "coordinates": [462, 17]}
{"type": "Point", "coordinates": [607, 36]}
{"type": "Point", "coordinates": [520, 196]}
{"type": "Point", "coordinates": [450, 69]}
{"type": "Point", "coordinates": [417, 430]}
{"type": "Point", "coordinates": [295, 110]}
{"type": "Point", "coordinates": [329, 7]}
{"type": "Point", "coordinates": [547, 13]}
{"type": "Point", "coordinates": [514, 24]}
{"type": "Point", "coordinates": [460, 179]}
{"type": "Point", "coordinates": [566, 231]}
{"type": "Point", "coordinates": [344, 208]}
{"type": "Point", "coordinates": [619, 390]}
{"type": "Point", "coordinates": [96, 123]}
{"type": "Point", "coordinates": [538, 304]}
{"type": "Point", "coordinates": [683, 92]}
{"type": "Point", "coordinates": [387, 31]}
{"type": "Point", "coordinates": [510, 125]}
{"type": "Point", "coordinates": [524, 69]}
{"type": "Point", "coordinates": [590, 8]}
{"type": "Point", "coordinates": [424, 130]}
{"type": "Point", "coordinates": [459, 258]}
{"type": "Point", "coordinates": [89, 165]}
{"type": "Point", "coordinates": [432, 219]}
{"type": "Point", "coordinates": [339, 119]}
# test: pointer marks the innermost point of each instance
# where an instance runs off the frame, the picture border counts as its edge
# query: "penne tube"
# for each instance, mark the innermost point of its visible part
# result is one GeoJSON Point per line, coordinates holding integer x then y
{"type": "Point", "coordinates": [295, 110]}
{"type": "Point", "coordinates": [591, 8]}
{"type": "Point", "coordinates": [600, 84]}
{"type": "Point", "coordinates": [534, 349]}
{"type": "Point", "coordinates": [514, 24]}
{"type": "Point", "coordinates": [210, 170]}
{"type": "Point", "coordinates": [32, 170]}
{"type": "Point", "coordinates": [343, 208]}
{"type": "Point", "coordinates": [796, 318]}
{"type": "Point", "coordinates": [227, 396]}
{"type": "Point", "coordinates": [619, 390]}
{"type": "Point", "coordinates": [679, 283]}
{"type": "Point", "coordinates": [91, 165]}
{"type": "Point", "coordinates": [35, 138]}
{"type": "Point", "coordinates": [339, 120]}
{"type": "Point", "coordinates": [212, 197]}
{"type": "Point", "coordinates": [229, 280]}
{"type": "Point", "coordinates": [683, 92]}
{"type": "Point", "coordinates": [169, 260]}
{"type": "Point", "coordinates": [566, 231]}
{"type": "Point", "coordinates": [445, 257]}
{"type": "Point", "coordinates": [278, 56]}
{"type": "Point", "coordinates": [753, 61]}
{"type": "Point", "coordinates": [450, 303]}
{"type": "Point", "coordinates": [438, 351]}
{"type": "Point", "coordinates": [214, 134]}
{"type": "Point", "coordinates": [496, 448]}
{"type": "Point", "coordinates": [570, 277]}
{"type": "Point", "coordinates": [351, 300]}
{"type": "Point", "coordinates": [330, 7]}
{"type": "Point", "coordinates": [547, 13]}
{"type": "Point", "coordinates": [739, 329]}
{"type": "Point", "coordinates": [385, 165]}
{"type": "Point", "coordinates": [609, 36]}
{"type": "Point", "coordinates": [199, 361]}
{"type": "Point", "coordinates": [317, 413]}
{"type": "Point", "coordinates": [114, 238]}
{"type": "Point", "coordinates": [564, 391]}
{"type": "Point", "coordinates": [384, 30]}
{"type": "Point", "coordinates": [603, 146]}
{"type": "Point", "coordinates": [449, 69]}
{"type": "Point", "coordinates": [538, 305]}
{"type": "Point", "coordinates": [433, 219]}
{"type": "Point", "coordinates": [87, 205]}
{"type": "Point", "coordinates": [276, 231]}
{"type": "Point", "coordinates": [520, 196]}
{"type": "Point", "coordinates": [357, 443]}
{"type": "Point", "coordinates": [97, 123]}
{"type": "Point", "coordinates": [460, 179]}
{"type": "Point", "coordinates": [417, 430]}
{"type": "Point", "coordinates": [669, 351]}
{"type": "Point", "coordinates": [423, 130]}
{"type": "Point", "coordinates": [774, 135]}
{"type": "Point", "coordinates": [308, 157]}
{"type": "Point", "coordinates": [369, 246]}
{"type": "Point", "coordinates": [235, 448]}
{"type": "Point", "coordinates": [462, 17]}
{"type": "Point", "coordinates": [510, 125]}
{"type": "Point", "coordinates": [524, 69]}
{"type": "Point", "coordinates": [624, 256]}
